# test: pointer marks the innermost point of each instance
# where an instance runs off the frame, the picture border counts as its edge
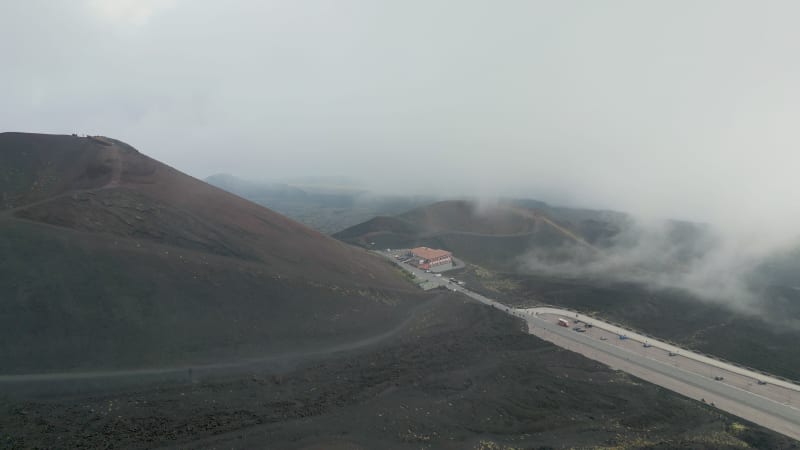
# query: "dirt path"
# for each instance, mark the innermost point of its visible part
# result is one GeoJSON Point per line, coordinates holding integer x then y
{"type": "Point", "coordinates": [14, 381]}
{"type": "Point", "coordinates": [566, 232]}
{"type": "Point", "coordinates": [116, 163]}
{"type": "Point", "coordinates": [116, 167]}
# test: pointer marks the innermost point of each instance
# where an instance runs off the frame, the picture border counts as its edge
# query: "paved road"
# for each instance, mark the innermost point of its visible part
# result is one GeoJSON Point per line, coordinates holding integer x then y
{"type": "Point", "coordinates": [773, 405]}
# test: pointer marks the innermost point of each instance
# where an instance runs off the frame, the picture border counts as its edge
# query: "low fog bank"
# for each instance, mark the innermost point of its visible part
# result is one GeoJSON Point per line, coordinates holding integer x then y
{"type": "Point", "coordinates": [333, 191]}
{"type": "Point", "coordinates": [751, 273]}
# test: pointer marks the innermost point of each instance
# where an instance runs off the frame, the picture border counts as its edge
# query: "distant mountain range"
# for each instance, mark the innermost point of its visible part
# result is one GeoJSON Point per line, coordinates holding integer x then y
{"type": "Point", "coordinates": [327, 204]}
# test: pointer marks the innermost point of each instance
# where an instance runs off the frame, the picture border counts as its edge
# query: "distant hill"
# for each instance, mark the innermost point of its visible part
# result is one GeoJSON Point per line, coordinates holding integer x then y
{"type": "Point", "coordinates": [492, 235]}
{"type": "Point", "coordinates": [113, 259]}
{"type": "Point", "coordinates": [327, 204]}
{"type": "Point", "coordinates": [529, 235]}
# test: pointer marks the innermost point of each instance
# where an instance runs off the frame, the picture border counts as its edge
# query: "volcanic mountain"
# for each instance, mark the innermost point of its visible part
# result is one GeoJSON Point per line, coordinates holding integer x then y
{"type": "Point", "coordinates": [109, 259]}
{"type": "Point", "coordinates": [492, 235]}
{"type": "Point", "coordinates": [113, 259]}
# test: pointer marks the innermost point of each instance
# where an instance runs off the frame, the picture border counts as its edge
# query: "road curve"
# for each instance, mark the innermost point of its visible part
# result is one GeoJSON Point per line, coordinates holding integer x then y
{"type": "Point", "coordinates": [760, 398]}
{"type": "Point", "coordinates": [46, 383]}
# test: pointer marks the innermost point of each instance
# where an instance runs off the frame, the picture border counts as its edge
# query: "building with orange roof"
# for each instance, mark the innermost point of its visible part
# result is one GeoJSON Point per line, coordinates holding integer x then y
{"type": "Point", "coordinates": [431, 258]}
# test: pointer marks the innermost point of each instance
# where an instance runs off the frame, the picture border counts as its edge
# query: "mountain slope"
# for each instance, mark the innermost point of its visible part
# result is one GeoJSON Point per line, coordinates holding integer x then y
{"type": "Point", "coordinates": [121, 261]}
{"type": "Point", "coordinates": [494, 236]}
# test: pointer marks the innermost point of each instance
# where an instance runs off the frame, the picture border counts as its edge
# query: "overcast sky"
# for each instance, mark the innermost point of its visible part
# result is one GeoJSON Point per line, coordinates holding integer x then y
{"type": "Point", "coordinates": [674, 108]}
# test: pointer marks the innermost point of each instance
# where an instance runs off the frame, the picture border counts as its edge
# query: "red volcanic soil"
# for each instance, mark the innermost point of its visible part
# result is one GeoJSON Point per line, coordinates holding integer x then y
{"type": "Point", "coordinates": [106, 186]}
{"type": "Point", "coordinates": [122, 261]}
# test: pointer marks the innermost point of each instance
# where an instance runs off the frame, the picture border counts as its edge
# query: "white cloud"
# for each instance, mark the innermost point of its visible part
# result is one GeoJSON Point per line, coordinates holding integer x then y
{"type": "Point", "coordinates": [132, 12]}
{"type": "Point", "coordinates": [638, 106]}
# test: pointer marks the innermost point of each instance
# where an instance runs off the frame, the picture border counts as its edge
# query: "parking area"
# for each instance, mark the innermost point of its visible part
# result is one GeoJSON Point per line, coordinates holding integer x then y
{"type": "Point", "coordinates": [439, 279]}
